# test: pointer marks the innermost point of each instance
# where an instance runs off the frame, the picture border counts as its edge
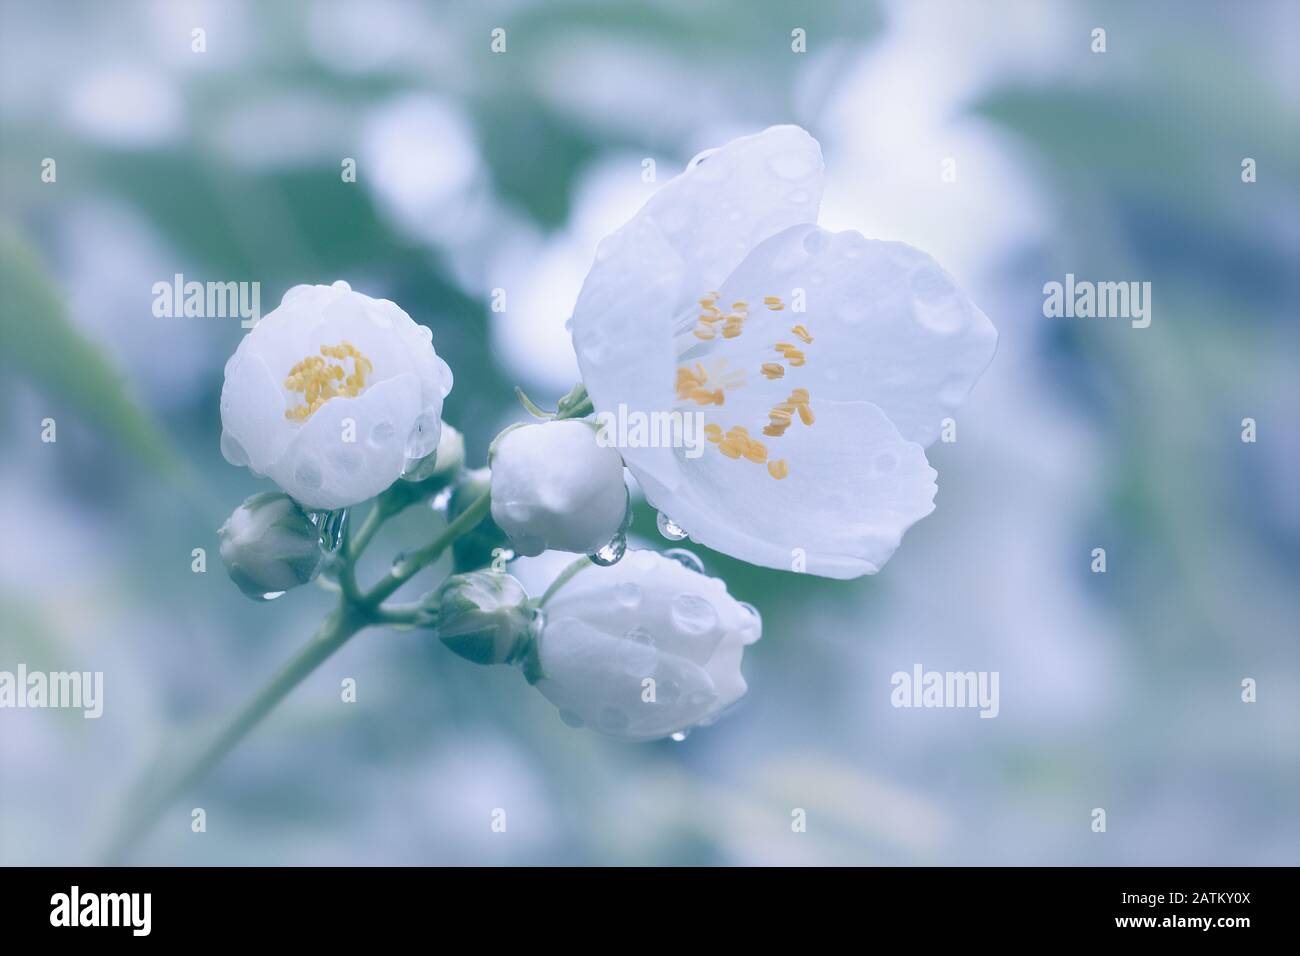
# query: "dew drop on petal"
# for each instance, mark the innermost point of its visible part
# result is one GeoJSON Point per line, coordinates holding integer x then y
{"type": "Point", "coordinates": [272, 595]}
{"type": "Point", "coordinates": [639, 635]}
{"type": "Point", "coordinates": [382, 434]}
{"type": "Point", "coordinates": [628, 595]}
{"type": "Point", "coordinates": [669, 528]}
{"type": "Point", "coordinates": [687, 559]}
{"type": "Point", "coordinates": [693, 615]}
{"type": "Point", "coordinates": [441, 500]}
{"type": "Point", "coordinates": [680, 736]}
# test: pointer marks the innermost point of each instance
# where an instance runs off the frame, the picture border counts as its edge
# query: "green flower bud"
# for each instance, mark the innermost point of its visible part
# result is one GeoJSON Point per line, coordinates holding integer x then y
{"type": "Point", "coordinates": [485, 617]}
{"type": "Point", "coordinates": [269, 545]}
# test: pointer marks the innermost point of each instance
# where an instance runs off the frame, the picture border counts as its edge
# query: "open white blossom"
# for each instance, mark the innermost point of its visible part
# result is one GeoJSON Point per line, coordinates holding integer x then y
{"type": "Point", "coordinates": [823, 362]}
{"type": "Point", "coordinates": [332, 395]}
{"type": "Point", "coordinates": [643, 649]}
{"type": "Point", "coordinates": [555, 486]}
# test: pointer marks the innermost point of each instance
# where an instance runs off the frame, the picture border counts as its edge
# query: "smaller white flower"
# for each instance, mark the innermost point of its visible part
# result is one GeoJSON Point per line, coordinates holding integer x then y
{"type": "Point", "coordinates": [555, 487]}
{"type": "Point", "coordinates": [643, 649]}
{"type": "Point", "coordinates": [332, 395]}
{"type": "Point", "coordinates": [269, 545]}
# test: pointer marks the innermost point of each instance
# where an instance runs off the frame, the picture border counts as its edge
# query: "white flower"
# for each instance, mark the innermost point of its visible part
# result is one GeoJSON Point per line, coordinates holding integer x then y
{"type": "Point", "coordinates": [823, 362]}
{"type": "Point", "coordinates": [554, 486]}
{"type": "Point", "coordinates": [269, 545]}
{"type": "Point", "coordinates": [643, 649]}
{"type": "Point", "coordinates": [332, 395]}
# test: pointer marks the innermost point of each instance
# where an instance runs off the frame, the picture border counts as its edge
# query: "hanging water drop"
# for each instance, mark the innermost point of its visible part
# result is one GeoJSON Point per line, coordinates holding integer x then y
{"type": "Point", "coordinates": [272, 595]}
{"type": "Point", "coordinates": [752, 628]}
{"type": "Point", "coordinates": [680, 736]}
{"type": "Point", "coordinates": [332, 525]}
{"type": "Point", "coordinates": [441, 500]}
{"type": "Point", "coordinates": [611, 553]}
{"type": "Point", "coordinates": [669, 528]}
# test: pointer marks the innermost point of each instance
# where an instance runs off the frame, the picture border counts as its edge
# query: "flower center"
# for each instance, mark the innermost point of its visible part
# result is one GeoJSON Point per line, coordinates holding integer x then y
{"type": "Point", "coordinates": [696, 384]}
{"type": "Point", "coordinates": [319, 380]}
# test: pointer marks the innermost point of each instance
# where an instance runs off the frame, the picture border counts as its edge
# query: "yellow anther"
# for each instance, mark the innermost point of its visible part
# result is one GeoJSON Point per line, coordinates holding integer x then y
{"type": "Point", "coordinates": [740, 306]}
{"type": "Point", "coordinates": [783, 347]}
{"type": "Point", "coordinates": [706, 334]}
{"type": "Point", "coordinates": [775, 431]}
{"type": "Point", "coordinates": [713, 432]}
{"type": "Point", "coordinates": [773, 369]}
{"type": "Point", "coordinates": [771, 299]}
{"type": "Point", "coordinates": [799, 395]}
{"type": "Point", "coordinates": [802, 333]}
{"type": "Point", "coordinates": [777, 468]}
{"type": "Point", "coordinates": [729, 448]}
{"type": "Point", "coordinates": [731, 332]}
{"type": "Point", "coordinates": [805, 414]}
{"type": "Point", "coordinates": [756, 452]}
{"type": "Point", "coordinates": [795, 358]}
{"type": "Point", "coordinates": [319, 381]}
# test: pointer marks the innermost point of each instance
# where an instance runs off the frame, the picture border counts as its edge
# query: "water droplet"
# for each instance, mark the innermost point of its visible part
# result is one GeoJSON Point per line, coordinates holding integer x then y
{"type": "Point", "coordinates": [687, 559]}
{"type": "Point", "coordinates": [570, 718]}
{"type": "Point", "coordinates": [423, 438]}
{"type": "Point", "coordinates": [611, 553]}
{"type": "Point", "coordinates": [639, 635]}
{"type": "Point", "coordinates": [332, 525]}
{"type": "Point", "coordinates": [272, 595]}
{"type": "Point", "coordinates": [441, 500]}
{"type": "Point", "coordinates": [382, 434]}
{"type": "Point", "coordinates": [628, 595]}
{"type": "Point", "coordinates": [669, 528]}
{"type": "Point", "coordinates": [680, 736]}
{"type": "Point", "coordinates": [402, 564]}
{"type": "Point", "coordinates": [692, 614]}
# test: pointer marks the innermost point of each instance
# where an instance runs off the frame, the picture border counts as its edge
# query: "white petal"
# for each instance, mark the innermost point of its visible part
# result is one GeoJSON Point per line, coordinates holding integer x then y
{"type": "Point", "coordinates": [686, 239]}
{"type": "Point", "coordinates": [321, 470]}
{"type": "Point", "coordinates": [889, 326]}
{"type": "Point", "coordinates": [854, 486]}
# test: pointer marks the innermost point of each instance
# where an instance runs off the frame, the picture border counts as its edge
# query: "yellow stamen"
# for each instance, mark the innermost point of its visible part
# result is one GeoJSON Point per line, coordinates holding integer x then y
{"type": "Point", "coordinates": [805, 414]}
{"type": "Point", "coordinates": [773, 369]}
{"type": "Point", "coordinates": [802, 333]}
{"type": "Point", "coordinates": [318, 381]}
{"type": "Point", "coordinates": [777, 468]}
{"type": "Point", "coordinates": [713, 432]}
{"type": "Point", "coordinates": [706, 334]}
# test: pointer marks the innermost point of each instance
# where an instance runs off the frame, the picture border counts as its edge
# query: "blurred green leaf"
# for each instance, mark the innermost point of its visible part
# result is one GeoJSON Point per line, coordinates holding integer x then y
{"type": "Point", "coordinates": [43, 345]}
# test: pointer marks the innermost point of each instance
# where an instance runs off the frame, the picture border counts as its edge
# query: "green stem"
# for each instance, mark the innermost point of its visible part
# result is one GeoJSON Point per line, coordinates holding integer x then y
{"type": "Point", "coordinates": [564, 578]}
{"type": "Point", "coordinates": [412, 565]}
{"type": "Point", "coordinates": [334, 632]}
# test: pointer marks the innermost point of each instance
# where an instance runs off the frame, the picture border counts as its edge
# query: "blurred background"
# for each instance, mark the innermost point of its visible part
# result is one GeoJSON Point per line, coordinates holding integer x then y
{"type": "Point", "coordinates": [478, 171]}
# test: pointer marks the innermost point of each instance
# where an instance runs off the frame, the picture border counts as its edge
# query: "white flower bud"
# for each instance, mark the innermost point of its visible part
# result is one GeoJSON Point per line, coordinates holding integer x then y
{"type": "Point", "coordinates": [484, 616]}
{"type": "Point", "coordinates": [555, 487]}
{"type": "Point", "coordinates": [644, 649]}
{"type": "Point", "coordinates": [269, 545]}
